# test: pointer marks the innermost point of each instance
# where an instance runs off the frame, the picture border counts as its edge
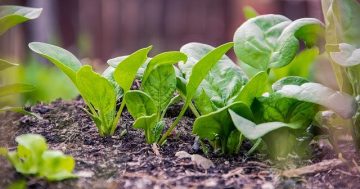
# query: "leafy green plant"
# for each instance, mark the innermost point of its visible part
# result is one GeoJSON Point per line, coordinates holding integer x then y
{"type": "Point", "coordinates": [32, 157]}
{"type": "Point", "coordinates": [198, 72]}
{"type": "Point", "coordinates": [148, 105]}
{"type": "Point", "coordinates": [99, 93]}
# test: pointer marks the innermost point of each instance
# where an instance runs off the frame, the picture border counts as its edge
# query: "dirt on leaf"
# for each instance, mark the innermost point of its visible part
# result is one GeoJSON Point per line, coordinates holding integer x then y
{"type": "Point", "coordinates": [128, 162]}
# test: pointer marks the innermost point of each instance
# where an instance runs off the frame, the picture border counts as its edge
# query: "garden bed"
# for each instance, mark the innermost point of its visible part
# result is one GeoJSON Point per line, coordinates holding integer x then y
{"type": "Point", "coordinates": [128, 162]}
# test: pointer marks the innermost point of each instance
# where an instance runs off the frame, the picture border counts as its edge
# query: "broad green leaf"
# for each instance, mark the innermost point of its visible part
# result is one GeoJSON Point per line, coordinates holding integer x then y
{"type": "Point", "coordinates": [272, 41]}
{"type": "Point", "coordinates": [15, 89]}
{"type": "Point", "coordinates": [56, 166]}
{"type": "Point", "coordinates": [100, 93]}
{"type": "Point", "coordinates": [224, 80]}
{"type": "Point", "coordinates": [274, 107]}
{"type": "Point", "coordinates": [204, 103]}
{"type": "Point", "coordinates": [62, 58]}
{"type": "Point", "coordinates": [341, 103]}
{"type": "Point", "coordinates": [11, 16]}
{"type": "Point", "coordinates": [125, 72]}
{"type": "Point", "coordinates": [218, 125]}
{"type": "Point", "coordinates": [20, 110]}
{"type": "Point", "coordinates": [252, 131]}
{"type": "Point", "coordinates": [171, 57]}
{"type": "Point", "coordinates": [160, 85]}
{"type": "Point", "coordinates": [348, 55]}
{"type": "Point", "coordinates": [139, 104]}
{"type": "Point", "coordinates": [27, 158]}
{"type": "Point", "coordinates": [249, 12]}
{"type": "Point", "coordinates": [5, 64]}
{"type": "Point", "coordinates": [254, 88]}
{"type": "Point", "coordinates": [109, 75]}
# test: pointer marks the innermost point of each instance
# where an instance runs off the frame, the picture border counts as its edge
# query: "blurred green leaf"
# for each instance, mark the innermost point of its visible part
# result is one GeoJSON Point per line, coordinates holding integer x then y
{"type": "Point", "coordinates": [11, 16]}
{"type": "Point", "coordinates": [5, 64]}
{"type": "Point", "coordinates": [249, 12]}
{"type": "Point", "coordinates": [15, 89]}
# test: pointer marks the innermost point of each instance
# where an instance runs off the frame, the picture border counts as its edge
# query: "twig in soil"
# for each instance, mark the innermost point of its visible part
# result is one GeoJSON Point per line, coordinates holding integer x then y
{"type": "Point", "coordinates": [314, 168]}
{"type": "Point", "coordinates": [155, 149]}
{"type": "Point", "coordinates": [356, 165]}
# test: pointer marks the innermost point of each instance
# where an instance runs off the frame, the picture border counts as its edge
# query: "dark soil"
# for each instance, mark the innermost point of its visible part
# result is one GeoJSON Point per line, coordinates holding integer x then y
{"type": "Point", "coordinates": [128, 162]}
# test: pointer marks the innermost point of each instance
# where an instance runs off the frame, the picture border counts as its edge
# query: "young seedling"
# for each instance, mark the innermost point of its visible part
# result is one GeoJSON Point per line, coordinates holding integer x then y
{"type": "Point", "coordinates": [32, 157]}
{"type": "Point", "coordinates": [198, 72]}
{"type": "Point", "coordinates": [148, 105]}
{"type": "Point", "coordinates": [99, 93]}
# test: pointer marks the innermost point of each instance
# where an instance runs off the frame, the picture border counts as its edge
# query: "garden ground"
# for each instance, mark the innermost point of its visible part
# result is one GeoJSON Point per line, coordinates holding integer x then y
{"type": "Point", "coordinates": [128, 162]}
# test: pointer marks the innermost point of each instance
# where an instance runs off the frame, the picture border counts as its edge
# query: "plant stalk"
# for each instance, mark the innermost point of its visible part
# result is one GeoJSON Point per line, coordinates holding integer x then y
{"type": "Point", "coordinates": [173, 125]}
{"type": "Point", "coordinates": [117, 118]}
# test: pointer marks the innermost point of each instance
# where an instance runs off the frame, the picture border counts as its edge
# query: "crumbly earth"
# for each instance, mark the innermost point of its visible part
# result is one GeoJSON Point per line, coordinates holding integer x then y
{"type": "Point", "coordinates": [128, 162]}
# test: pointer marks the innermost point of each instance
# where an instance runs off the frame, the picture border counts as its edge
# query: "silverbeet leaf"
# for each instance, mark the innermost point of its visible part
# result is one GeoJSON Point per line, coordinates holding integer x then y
{"type": "Point", "coordinates": [5, 64]}
{"type": "Point", "coordinates": [139, 104]}
{"type": "Point", "coordinates": [15, 89]}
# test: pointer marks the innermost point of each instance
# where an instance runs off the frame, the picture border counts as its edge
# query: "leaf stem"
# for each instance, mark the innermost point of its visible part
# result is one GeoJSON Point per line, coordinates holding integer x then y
{"type": "Point", "coordinates": [194, 110]}
{"type": "Point", "coordinates": [117, 118]}
{"type": "Point", "coordinates": [173, 125]}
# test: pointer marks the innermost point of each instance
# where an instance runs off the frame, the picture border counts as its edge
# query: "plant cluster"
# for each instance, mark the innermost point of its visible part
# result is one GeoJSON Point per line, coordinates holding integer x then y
{"type": "Point", "coordinates": [32, 157]}
{"type": "Point", "coordinates": [228, 105]}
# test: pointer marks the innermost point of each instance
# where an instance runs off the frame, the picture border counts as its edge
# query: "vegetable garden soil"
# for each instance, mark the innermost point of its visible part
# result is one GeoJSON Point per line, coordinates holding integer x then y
{"type": "Point", "coordinates": [128, 162]}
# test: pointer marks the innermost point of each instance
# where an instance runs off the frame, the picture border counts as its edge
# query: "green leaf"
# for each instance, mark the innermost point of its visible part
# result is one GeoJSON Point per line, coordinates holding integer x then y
{"type": "Point", "coordinates": [27, 158]}
{"type": "Point", "coordinates": [204, 103]}
{"type": "Point", "coordinates": [249, 12]}
{"type": "Point", "coordinates": [109, 75]}
{"type": "Point", "coordinates": [224, 80]}
{"type": "Point", "coordinates": [300, 66]}
{"type": "Point", "coordinates": [11, 16]}
{"type": "Point", "coordinates": [139, 104]}
{"type": "Point", "coordinates": [252, 131]}
{"type": "Point", "coordinates": [20, 110]}
{"type": "Point", "coordinates": [56, 166]}
{"type": "Point", "coordinates": [160, 85]}
{"type": "Point", "coordinates": [272, 41]}
{"type": "Point", "coordinates": [114, 62]}
{"type": "Point", "coordinates": [125, 72]}
{"type": "Point", "coordinates": [171, 57]}
{"type": "Point", "coordinates": [254, 88]}
{"type": "Point", "coordinates": [100, 94]}
{"type": "Point", "coordinates": [217, 126]}
{"type": "Point", "coordinates": [62, 58]}
{"type": "Point", "coordinates": [348, 55]}
{"type": "Point", "coordinates": [234, 142]}
{"type": "Point", "coordinates": [341, 103]}
{"type": "Point", "coordinates": [5, 64]}
{"type": "Point", "coordinates": [291, 80]}
{"type": "Point", "coordinates": [276, 107]}
{"type": "Point", "coordinates": [147, 123]}
{"type": "Point", "coordinates": [15, 89]}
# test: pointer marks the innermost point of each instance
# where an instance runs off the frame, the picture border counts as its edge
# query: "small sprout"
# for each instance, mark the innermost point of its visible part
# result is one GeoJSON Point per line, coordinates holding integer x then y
{"type": "Point", "coordinates": [32, 157]}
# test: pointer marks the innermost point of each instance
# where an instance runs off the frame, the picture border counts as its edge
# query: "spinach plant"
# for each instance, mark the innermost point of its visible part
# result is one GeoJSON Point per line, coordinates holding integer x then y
{"type": "Point", "coordinates": [148, 105]}
{"type": "Point", "coordinates": [32, 157]}
{"type": "Point", "coordinates": [198, 72]}
{"type": "Point", "coordinates": [99, 93]}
